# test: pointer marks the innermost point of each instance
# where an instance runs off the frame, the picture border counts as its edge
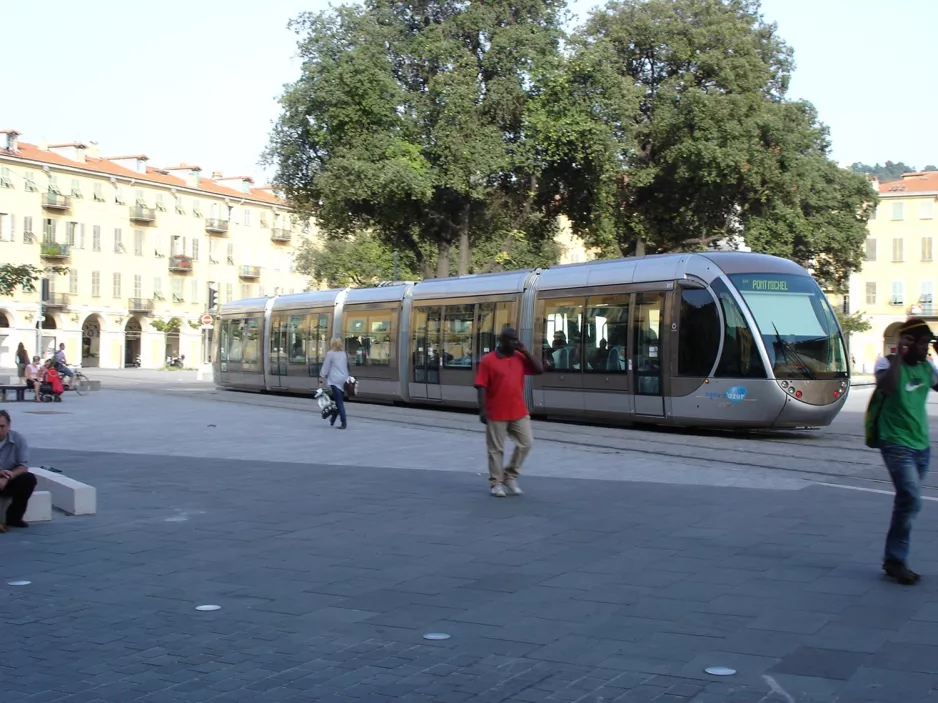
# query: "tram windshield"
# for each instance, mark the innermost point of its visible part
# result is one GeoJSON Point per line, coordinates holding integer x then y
{"type": "Point", "coordinates": [796, 323]}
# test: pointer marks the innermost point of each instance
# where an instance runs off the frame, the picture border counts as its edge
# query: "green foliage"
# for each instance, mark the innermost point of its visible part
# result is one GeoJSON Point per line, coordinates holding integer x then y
{"type": "Point", "coordinates": [887, 172]}
{"type": "Point", "coordinates": [857, 322]}
{"type": "Point", "coordinates": [195, 324]}
{"type": "Point", "coordinates": [171, 325]}
{"type": "Point", "coordinates": [24, 277]}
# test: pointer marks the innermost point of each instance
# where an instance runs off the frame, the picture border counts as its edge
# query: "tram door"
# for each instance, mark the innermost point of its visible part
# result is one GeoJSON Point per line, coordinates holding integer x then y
{"type": "Point", "coordinates": [277, 359]}
{"type": "Point", "coordinates": [426, 350]}
{"type": "Point", "coordinates": [647, 354]}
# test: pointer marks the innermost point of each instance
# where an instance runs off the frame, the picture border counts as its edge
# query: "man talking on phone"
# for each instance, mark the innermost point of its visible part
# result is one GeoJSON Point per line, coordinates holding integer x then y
{"type": "Point", "coordinates": [503, 410]}
{"type": "Point", "coordinates": [904, 380]}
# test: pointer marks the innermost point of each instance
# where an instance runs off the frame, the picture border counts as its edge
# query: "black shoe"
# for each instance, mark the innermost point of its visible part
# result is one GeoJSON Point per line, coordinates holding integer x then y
{"type": "Point", "coordinates": [17, 523]}
{"type": "Point", "coordinates": [342, 427]}
{"type": "Point", "coordinates": [901, 573]}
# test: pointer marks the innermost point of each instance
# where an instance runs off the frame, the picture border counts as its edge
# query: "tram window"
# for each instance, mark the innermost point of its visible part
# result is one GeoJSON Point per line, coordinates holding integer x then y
{"type": "Point", "coordinates": [251, 341]}
{"type": "Point", "coordinates": [493, 318]}
{"type": "Point", "coordinates": [740, 358]}
{"type": "Point", "coordinates": [457, 336]}
{"type": "Point", "coordinates": [368, 338]}
{"type": "Point", "coordinates": [699, 334]}
{"type": "Point", "coordinates": [296, 332]}
{"type": "Point", "coordinates": [560, 329]}
{"type": "Point", "coordinates": [278, 326]}
{"type": "Point", "coordinates": [317, 341]}
{"type": "Point", "coordinates": [606, 334]}
{"type": "Point", "coordinates": [221, 351]}
{"type": "Point", "coordinates": [236, 341]}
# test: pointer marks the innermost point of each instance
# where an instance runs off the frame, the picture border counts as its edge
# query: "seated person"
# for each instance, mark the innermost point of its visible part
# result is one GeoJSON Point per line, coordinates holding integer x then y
{"type": "Point", "coordinates": [34, 375]}
{"type": "Point", "coordinates": [16, 483]}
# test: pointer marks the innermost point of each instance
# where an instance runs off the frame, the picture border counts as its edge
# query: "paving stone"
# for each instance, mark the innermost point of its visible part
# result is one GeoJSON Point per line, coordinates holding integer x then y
{"type": "Point", "coordinates": [822, 663]}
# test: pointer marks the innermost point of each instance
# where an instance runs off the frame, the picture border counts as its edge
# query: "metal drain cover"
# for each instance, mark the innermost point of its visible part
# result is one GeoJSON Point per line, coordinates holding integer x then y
{"type": "Point", "coordinates": [47, 412]}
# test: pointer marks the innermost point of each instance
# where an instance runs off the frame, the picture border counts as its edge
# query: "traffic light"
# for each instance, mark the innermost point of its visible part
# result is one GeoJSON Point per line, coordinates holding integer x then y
{"type": "Point", "coordinates": [212, 298]}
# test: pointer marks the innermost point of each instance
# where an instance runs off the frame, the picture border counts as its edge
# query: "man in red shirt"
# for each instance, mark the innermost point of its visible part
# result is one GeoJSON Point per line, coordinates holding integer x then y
{"type": "Point", "coordinates": [502, 409]}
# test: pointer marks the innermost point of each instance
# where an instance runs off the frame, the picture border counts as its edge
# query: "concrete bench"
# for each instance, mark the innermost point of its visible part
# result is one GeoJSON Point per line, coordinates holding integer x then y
{"type": "Point", "coordinates": [68, 495]}
{"type": "Point", "coordinates": [38, 510]}
{"type": "Point", "coordinates": [19, 392]}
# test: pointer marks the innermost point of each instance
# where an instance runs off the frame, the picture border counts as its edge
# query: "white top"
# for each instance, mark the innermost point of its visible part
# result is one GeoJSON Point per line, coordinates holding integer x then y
{"type": "Point", "coordinates": [335, 368]}
{"type": "Point", "coordinates": [883, 365]}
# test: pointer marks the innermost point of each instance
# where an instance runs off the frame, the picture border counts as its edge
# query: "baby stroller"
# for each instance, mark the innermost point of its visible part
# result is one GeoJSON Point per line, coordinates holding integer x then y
{"type": "Point", "coordinates": [327, 405]}
{"type": "Point", "coordinates": [47, 393]}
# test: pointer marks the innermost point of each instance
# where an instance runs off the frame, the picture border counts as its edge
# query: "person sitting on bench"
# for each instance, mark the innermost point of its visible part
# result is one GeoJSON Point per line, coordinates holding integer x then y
{"type": "Point", "coordinates": [33, 376]}
{"type": "Point", "coordinates": [16, 483]}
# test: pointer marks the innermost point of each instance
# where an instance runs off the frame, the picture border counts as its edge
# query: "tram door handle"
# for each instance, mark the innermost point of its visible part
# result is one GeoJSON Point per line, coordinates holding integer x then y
{"type": "Point", "coordinates": [630, 363]}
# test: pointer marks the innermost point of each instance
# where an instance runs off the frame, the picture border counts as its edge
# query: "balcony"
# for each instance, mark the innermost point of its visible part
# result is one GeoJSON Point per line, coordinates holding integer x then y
{"type": "Point", "coordinates": [144, 305]}
{"type": "Point", "coordinates": [250, 272]}
{"type": "Point", "coordinates": [180, 264]}
{"type": "Point", "coordinates": [54, 201]}
{"type": "Point", "coordinates": [139, 213]}
{"type": "Point", "coordinates": [280, 235]}
{"type": "Point", "coordinates": [56, 300]}
{"type": "Point", "coordinates": [54, 251]}
{"type": "Point", "coordinates": [216, 226]}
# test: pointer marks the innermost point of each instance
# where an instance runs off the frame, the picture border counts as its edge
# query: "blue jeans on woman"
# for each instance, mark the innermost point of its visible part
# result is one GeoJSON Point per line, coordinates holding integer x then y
{"type": "Point", "coordinates": [338, 395]}
{"type": "Point", "coordinates": [907, 468]}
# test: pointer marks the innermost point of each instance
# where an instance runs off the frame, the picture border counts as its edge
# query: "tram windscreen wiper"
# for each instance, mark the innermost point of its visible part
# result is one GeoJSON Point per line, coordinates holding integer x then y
{"type": "Point", "coordinates": [790, 350]}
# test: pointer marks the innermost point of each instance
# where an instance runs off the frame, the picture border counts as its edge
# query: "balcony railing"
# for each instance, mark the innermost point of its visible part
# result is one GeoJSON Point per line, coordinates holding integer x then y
{"type": "Point", "coordinates": [182, 264]}
{"type": "Point", "coordinates": [54, 201]}
{"type": "Point", "coordinates": [280, 235]}
{"type": "Point", "coordinates": [214, 225]}
{"type": "Point", "coordinates": [140, 305]}
{"type": "Point", "coordinates": [53, 250]}
{"type": "Point", "coordinates": [139, 213]}
{"type": "Point", "coordinates": [56, 300]}
{"type": "Point", "coordinates": [250, 272]}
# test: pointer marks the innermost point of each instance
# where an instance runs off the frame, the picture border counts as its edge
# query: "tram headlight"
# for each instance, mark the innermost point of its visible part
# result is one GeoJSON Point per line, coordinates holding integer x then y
{"type": "Point", "coordinates": [785, 384]}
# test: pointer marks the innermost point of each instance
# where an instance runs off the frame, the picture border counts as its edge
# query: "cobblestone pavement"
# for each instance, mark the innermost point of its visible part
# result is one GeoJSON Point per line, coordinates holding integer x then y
{"type": "Point", "coordinates": [328, 576]}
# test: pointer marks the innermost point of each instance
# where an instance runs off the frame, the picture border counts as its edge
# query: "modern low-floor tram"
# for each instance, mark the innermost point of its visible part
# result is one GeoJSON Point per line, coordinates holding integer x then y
{"type": "Point", "coordinates": [717, 339]}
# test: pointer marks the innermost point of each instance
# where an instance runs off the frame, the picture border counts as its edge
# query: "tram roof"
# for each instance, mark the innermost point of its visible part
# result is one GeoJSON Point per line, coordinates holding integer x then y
{"type": "Point", "coordinates": [309, 299]}
{"type": "Point", "coordinates": [394, 293]}
{"type": "Point", "coordinates": [242, 306]}
{"type": "Point", "coordinates": [472, 285]}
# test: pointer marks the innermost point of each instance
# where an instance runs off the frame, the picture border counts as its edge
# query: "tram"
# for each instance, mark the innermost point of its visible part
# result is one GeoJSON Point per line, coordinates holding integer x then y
{"type": "Point", "coordinates": [714, 339]}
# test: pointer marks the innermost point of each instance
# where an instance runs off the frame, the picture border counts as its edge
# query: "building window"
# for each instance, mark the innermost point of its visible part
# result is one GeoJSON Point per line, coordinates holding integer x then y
{"type": "Point", "coordinates": [76, 189]}
{"type": "Point", "coordinates": [118, 244]}
{"type": "Point", "coordinates": [160, 205]}
{"type": "Point", "coordinates": [196, 208]}
{"type": "Point", "coordinates": [138, 242]}
{"type": "Point", "coordinates": [180, 209]}
{"type": "Point", "coordinates": [247, 217]}
{"type": "Point", "coordinates": [194, 292]}
{"type": "Point", "coordinates": [117, 285]}
{"type": "Point", "coordinates": [96, 238]}
{"type": "Point", "coordinates": [926, 210]}
{"type": "Point", "coordinates": [119, 196]}
{"type": "Point", "coordinates": [73, 281]}
{"type": "Point", "coordinates": [871, 294]}
{"type": "Point", "coordinates": [81, 236]}
{"type": "Point", "coordinates": [230, 254]}
{"type": "Point", "coordinates": [54, 185]}
{"type": "Point", "coordinates": [179, 295]}
{"type": "Point", "coordinates": [245, 291]}
{"type": "Point", "coordinates": [70, 232]}
{"type": "Point", "coordinates": [926, 248]}
{"type": "Point", "coordinates": [95, 284]}
{"type": "Point", "coordinates": [28, 234]}
{"type": "Point", "coordinates": [195, 249]}
{"type": "Point", "coordinates": [229, 292]}
{"type": "Point", "coordinates": [898, 293]}
{"type": "Point", "coordinates": [870, 249]}
{"type": "Point", "coordinates": [139, 199]}
{"type": "Point", "coordinates": [897, 249]}
{"type": "Point", "coordinates": [6, 179]}
{"type": "Point", "coordinates": [264, 220]}
{"type": "Point", "coordinates": [98, 193]}
{"type": "Point", "coordinates": [48, 230]}
{"type": "Point", "coordinates": [898, 211]}
{"type": "Point", "coordinates": [29, 182]}
{"type": "Point", "coordinates": [138, 286]}
{"type": "Point", "coordinates": [157, 288]}
{"type": "Point", "coordinates": [926, 292]}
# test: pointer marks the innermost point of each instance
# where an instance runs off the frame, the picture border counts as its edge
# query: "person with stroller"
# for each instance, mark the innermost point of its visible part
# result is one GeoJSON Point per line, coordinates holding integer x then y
{"type": "Point", "coordinates": [335, 371]}
{"type": "Point", "coordinates": [51, 381]}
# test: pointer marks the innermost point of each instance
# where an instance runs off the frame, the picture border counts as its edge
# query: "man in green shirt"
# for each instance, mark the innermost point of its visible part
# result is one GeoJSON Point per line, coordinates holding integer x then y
{"type": "Point", "coordinates": [904, 380]}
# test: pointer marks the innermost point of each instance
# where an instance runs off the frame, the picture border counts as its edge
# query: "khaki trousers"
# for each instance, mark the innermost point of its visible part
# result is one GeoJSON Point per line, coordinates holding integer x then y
{"type": "Point", "coordinates": [495, 433]}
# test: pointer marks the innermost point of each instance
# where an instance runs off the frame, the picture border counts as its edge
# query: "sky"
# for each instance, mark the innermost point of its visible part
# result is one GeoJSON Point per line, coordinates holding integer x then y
{"type": "Point", "coordinates": [196, 81]}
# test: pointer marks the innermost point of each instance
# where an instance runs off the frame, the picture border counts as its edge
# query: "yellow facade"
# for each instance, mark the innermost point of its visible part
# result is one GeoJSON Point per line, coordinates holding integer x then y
{"type": "Point", "coordinates": [898, 277]}
{"type": "Point", "coordinates": [141, 245]}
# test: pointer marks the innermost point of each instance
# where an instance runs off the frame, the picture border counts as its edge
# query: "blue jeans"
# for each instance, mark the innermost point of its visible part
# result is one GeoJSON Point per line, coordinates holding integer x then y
{"type": "Point", "coordinates": [338, 395]}
{"type": "Point", "coordinates": [907, 468]}
{"type": "Point", "coordinates": [64, 370]}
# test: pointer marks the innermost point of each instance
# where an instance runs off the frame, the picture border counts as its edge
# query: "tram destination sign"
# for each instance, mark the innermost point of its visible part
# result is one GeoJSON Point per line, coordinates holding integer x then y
{"type": "Point", "coordinates": [767, 283]}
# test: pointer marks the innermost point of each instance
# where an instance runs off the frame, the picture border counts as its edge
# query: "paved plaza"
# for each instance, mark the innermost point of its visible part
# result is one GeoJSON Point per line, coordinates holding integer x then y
{"type": "Point", "coordinates": [331, 554]}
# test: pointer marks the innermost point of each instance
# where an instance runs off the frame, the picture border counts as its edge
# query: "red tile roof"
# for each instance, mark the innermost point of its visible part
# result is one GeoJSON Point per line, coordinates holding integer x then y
{"type": "Point", "coordinates": [923, 182]}
{"type": "Point", "coordinates": [153, 175]}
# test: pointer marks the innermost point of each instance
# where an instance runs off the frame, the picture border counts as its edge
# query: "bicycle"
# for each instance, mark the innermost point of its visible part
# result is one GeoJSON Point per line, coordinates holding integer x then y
{"type": "Point", "coordinates": [79, 382]}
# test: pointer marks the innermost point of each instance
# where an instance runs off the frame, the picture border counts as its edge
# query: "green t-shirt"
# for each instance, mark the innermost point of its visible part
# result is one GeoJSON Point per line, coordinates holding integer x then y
{"type": "Point", "coordinates": [904, 420]}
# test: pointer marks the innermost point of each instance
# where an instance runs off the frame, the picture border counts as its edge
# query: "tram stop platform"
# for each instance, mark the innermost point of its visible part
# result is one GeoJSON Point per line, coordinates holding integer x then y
{"type": "Point", "coordinates": [331, 555]}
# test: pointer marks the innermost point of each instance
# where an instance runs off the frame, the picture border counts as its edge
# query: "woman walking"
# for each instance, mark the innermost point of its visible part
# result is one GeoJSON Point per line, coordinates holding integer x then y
{"type": "Point", "coordinates": [335, 370]}
{"type": "Point", "coordinates": [22, 361]}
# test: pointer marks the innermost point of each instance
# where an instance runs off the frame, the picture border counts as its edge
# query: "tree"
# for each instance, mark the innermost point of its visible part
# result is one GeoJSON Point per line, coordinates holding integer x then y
{"type": "Point", "coordinates": [930, 167]}
{"type": "Point", "coordinates": [408, 120]}
{"type": "Point", "coordinates": [885, 173]}
{"type": "Point", "coordinates": [713, 150]}
{"type": "Point", "coordinates": [24, 276]}
{"type": "Point", "coordinates": [857, 322]}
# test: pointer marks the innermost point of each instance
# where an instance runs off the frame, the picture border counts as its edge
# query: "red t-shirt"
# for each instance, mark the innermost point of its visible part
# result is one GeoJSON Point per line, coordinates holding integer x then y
{"type": "Point", "coordinates": [503, 380]}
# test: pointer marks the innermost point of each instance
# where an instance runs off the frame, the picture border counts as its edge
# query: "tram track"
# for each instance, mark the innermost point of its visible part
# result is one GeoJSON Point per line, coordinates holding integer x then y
{"type": "Point", "coordinates": [707, 448]}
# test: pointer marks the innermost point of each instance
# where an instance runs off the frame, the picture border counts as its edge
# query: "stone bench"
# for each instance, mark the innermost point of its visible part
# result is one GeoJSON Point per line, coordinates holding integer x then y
{"type": "Point", "coordinates": [38, 510]}
{"type": "Point", "coordinates": [68, 495]}
{"type": "Point", "coordinates": [17, 392]}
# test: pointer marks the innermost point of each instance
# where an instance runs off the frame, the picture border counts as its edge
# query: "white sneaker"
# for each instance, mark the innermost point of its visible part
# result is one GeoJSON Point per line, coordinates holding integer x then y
{"type": "Point", "coordinates": [498, 491]}
{"type": "Point", "coordinates": [513, 487]}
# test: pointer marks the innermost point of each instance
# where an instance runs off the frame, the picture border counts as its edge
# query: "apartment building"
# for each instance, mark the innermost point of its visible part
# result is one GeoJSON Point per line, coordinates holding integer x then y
{"type": "Point", "coordinates": [148, 252]}
{"type": "Point", "coordinates": [898, 277]}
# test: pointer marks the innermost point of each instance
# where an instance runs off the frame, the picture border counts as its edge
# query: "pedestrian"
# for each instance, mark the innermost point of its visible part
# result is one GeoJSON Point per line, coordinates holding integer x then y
{"type": "Point", "coordinates": [903, 381]}
{"type": "Point", "coordinates": [335, 370]}
{"type": "Point", "coordinates": [22, 361]}
{"type": "Point", "coordinates": [16, 483]}
{"type": "Point", "coordinates": [503, 410]}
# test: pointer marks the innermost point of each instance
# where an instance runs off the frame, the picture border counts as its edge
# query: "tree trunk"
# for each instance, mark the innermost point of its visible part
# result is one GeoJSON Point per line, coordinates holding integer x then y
{"type": "Point", "coordinates": [465, 253]}
{"type": "Point", "coordinates": [640, 248]}
{"type": "Point", "coordinates": [442, 259]}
